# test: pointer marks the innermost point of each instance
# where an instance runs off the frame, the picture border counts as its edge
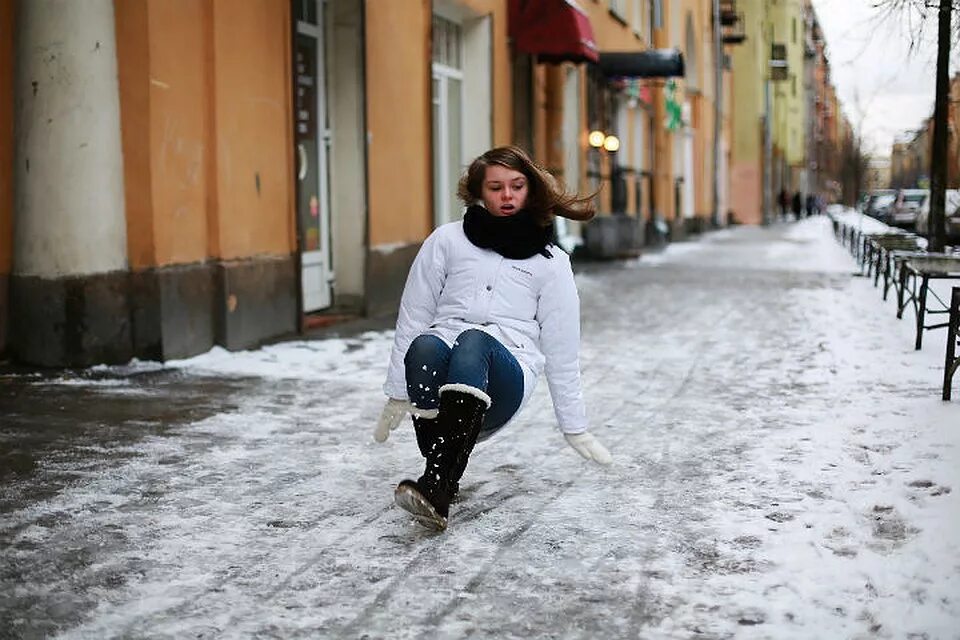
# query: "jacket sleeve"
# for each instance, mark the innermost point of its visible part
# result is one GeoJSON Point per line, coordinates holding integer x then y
{"type": "Point", "coordinates": [558, 312]}
{"type": "Point", "coordinates": [418, 307]}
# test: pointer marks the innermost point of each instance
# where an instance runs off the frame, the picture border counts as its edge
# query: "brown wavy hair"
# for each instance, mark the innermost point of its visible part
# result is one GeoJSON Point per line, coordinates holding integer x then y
{"type": "Point", "coordinates": [546, 197]}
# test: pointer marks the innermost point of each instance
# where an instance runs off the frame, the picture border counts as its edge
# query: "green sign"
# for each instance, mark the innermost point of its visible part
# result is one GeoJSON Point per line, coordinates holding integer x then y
{"type": "Point", "coordinates": [674, 111]}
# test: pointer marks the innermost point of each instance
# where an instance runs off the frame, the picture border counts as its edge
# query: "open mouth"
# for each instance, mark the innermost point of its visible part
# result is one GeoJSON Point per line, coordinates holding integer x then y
{"type": "Point", "coordinates": [507, 209]}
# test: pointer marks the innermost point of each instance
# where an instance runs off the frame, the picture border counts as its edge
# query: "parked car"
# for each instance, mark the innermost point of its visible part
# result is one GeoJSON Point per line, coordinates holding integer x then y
{"type": "Point", "coordinates": [878, 202]}
{"type": "Point", "coordinates": [902, 212]}
{"type": "Point", "coordinates": [868, 201]}
{"type": "Point", "coordinates": [952, 212]}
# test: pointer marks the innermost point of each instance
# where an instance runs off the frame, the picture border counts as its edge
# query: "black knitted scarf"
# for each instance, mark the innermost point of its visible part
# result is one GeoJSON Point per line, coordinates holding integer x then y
{"type": "Point", "coordinates": [515, 237]}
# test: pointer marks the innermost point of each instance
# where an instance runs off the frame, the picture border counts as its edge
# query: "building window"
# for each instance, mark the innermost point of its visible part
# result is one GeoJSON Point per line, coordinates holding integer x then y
{"type": "Point", "coordinates": [656, 14]}
{"type": "Point", "coordinates": [447, 95]}
{"type": "Point", "coordinates": [447, 42]}
{"type": "Point", "coordinates": [305, 11]}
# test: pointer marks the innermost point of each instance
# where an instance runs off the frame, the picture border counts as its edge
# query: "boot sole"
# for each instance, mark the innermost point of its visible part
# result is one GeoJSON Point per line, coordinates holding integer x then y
{"type": "Point", "coordinates": [411, 501]}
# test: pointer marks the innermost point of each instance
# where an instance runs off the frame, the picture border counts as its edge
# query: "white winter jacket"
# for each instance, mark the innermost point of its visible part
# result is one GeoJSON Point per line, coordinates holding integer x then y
{"type": "Point", "coordinates": [531, 306]}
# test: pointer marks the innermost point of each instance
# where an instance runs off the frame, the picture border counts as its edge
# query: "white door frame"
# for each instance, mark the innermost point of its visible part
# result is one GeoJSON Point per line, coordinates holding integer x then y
{"type": "Point", "coordinates": [443, 74]}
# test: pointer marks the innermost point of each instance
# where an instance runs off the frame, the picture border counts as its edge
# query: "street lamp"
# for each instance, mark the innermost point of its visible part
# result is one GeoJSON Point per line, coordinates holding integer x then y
{"type": "Point", "coordinates": [606, 146]}
{"type": "Point", "coordinates": [610, 235]}
{"type": "Point", "coordinates": [600, 140]}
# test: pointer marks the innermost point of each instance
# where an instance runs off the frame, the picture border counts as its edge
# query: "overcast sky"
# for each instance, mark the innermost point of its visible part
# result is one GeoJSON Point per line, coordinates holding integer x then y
{"type": "Point", "coordinates": [886, 89]}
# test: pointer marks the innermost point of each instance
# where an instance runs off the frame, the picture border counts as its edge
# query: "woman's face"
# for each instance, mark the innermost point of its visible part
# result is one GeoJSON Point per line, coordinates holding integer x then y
{"type": "Point", "coordinates": [504, 190]}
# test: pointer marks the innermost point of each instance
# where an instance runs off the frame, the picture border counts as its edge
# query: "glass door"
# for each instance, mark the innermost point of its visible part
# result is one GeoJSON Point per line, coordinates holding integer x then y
{"type": "Point", "coordinates": [312, 138]}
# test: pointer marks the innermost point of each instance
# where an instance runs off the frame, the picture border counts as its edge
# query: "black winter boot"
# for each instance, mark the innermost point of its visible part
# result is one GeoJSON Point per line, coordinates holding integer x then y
{"type": "Point", "coordinates": [446, 444]}
{"type": "Point", "coordinates": [427, 430]}
{"type": "Point", "coordinates": [456, 472]}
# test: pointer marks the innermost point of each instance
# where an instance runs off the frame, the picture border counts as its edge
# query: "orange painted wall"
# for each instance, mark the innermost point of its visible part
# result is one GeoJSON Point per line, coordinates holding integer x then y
{"type": "Point", "coordinates": [252, 129]}
{"type": "Point", "coordinates": [6, 135]}
{"type": "Point", "coordinates": [180, 140]}
{"type": "Point", "coordinates": [133, 64]}
{"type": "Point", "coordinates": [400, 177]}
{"type": "Point", "coordinates": [609, 33]}
{"type": "Point", "coordinates": [745, 200]}
{"type": "Point", "coordinates": [205, 110]}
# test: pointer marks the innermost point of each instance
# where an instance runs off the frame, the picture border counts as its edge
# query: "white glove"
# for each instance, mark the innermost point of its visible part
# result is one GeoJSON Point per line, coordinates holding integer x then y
{"type": "Point", "coordinates": [390, 418]}
{"type": "Point", "coordinates": [589, 447]}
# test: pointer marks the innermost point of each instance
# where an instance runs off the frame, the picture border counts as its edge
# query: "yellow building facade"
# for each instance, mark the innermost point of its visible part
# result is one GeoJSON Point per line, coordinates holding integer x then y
{"type": "Point", "coordinates": [786, 26]}
{"type": "Point", "coordinates": [769, 108]}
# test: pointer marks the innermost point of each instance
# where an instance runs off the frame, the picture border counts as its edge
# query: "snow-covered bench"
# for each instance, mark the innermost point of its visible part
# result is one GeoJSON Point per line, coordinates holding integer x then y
{"type": "Point", "coordinates": [919, 270]}
{"type": "Point", "coordinates": [887, 252]}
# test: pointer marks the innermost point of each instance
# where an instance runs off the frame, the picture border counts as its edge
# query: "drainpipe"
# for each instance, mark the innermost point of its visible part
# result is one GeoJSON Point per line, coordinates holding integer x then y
{"type": "Point", "coordinates": [769, 214]}
{"type": "Point", "coordinates": [717, 111]}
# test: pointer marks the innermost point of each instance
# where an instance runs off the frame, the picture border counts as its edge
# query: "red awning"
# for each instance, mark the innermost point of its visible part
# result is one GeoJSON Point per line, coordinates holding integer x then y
{"type": "Point", "coordinates": [553, 30]}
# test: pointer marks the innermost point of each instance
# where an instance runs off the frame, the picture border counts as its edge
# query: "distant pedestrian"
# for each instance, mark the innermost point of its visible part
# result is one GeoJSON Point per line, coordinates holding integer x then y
{"type": "Point", "coordinates": [797, 204]}
{"type": "Point", "coordinates": [488, 305]}
{"type": "Point", "coordinates": [784, 201]}
{"type": "Point", "coordinates": [811, 204]}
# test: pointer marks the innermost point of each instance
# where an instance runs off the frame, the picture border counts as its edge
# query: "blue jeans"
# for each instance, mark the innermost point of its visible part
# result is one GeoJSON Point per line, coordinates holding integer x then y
{"type": "Point", "coordinates": [476, 359]}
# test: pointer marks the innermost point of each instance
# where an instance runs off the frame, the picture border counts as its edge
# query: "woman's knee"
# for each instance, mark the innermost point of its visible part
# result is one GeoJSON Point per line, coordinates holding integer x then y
{"type": "Point", "coordinates": [472, 340]}
{"type": "Point", "coordinates": [425, 349]}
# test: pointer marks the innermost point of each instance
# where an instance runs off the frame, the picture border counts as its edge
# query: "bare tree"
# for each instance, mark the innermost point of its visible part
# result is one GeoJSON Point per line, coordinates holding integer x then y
{"type": "Point", "coordinates": [913, 17]}
{"type": "Point", "coordinates": [853, 167]}
{"type": "Point", "coordinates": [854, 158]}
{"type": "Point", "coordinates": [938, 151]}
{"type": "Point", "coordinates": [917, 14]}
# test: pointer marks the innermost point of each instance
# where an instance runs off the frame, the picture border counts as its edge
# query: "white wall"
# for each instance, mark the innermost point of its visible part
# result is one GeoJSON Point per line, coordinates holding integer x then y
{"type": "Point", "coordinates": [477, 87]}
{"type": "Point", "coordinates": [347, 183]}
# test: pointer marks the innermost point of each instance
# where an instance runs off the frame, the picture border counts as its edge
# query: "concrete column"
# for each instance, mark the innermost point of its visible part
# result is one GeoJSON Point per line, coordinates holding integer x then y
{"type": "Point", "coordinates": [69, 260]}
{"type": "Point", "coordinates": [69, 216]}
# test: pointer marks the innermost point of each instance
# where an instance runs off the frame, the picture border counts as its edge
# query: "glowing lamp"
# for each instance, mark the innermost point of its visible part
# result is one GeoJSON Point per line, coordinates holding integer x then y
{"type": "Point", "coordinates": [611, 143]}
{"type": "Point", "coordinates": [596, 139]}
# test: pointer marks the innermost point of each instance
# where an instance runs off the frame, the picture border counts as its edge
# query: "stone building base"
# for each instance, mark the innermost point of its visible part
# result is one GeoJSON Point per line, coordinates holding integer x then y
{"type": "Point", "coordinates": [157, 314]}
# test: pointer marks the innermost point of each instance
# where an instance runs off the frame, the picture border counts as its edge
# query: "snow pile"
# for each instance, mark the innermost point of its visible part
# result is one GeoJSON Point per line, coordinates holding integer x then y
{"type": "Point", "coordinates": [327, 359]}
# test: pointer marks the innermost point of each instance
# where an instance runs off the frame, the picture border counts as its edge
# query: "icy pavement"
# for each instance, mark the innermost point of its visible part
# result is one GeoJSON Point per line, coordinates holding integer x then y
{"type": "Point", "coordinates": [784, 468]}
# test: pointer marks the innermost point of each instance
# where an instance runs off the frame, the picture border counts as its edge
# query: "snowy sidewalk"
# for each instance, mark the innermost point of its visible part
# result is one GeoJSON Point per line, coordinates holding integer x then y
{"type": "Point", "coordinates": [784, 468]}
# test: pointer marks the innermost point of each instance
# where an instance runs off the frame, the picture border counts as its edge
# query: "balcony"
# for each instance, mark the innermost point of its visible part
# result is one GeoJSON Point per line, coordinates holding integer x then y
{"type": "Point", "coordinates": [735, 33]}
{"type": "Point", "coordinates": [731, 23]}
{"type": "Point", "coordinates": [728, 13]}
